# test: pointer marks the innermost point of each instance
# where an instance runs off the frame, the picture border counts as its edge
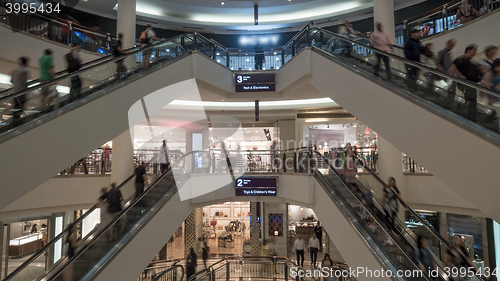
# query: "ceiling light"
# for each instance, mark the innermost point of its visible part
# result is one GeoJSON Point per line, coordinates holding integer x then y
{"type": "Point", "coordinates": [222, 3]}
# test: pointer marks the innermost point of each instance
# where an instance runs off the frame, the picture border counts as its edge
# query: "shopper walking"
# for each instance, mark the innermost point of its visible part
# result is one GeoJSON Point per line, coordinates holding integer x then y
{"type": "Point", "coordinates": [464, 68]}
{"type": "Point", "coordinates": [148, 36]}
{"type": "Point", "coordinates": [458, 257]}
{"type": "Point", "coordinates": [164, 160]}
{"type": "Point", "coordinates": [429, 59]}
{"type": "Point", "coordinates": [140, 179]}
{"type": "Point", "coordinates": [390, 203]}
{"type": "Point", "coordinates": [43, 231]}
{"type": "Point", "coordinates": [298, 248]}
{"type": "Point", "coordinates": [46, 74]}
{"type": "Point", "coordinates": [423, 256]}
{"type": "Point", "coordinates": [313, 249]}
{"type": "Point", "coordinates": [318, 230]}
{"type": "Point", "coordinates": [327, 263]}
{"type": "Point", "coordinates": [114, 198]}
{"type": "Point", "coordinates": [19, 79]}
{"type": "Point", "coordinates": [117, 52]}
{"type": "Point", "coordinates": [444, 61]}
{"type": "Point", "coordinates": [191, 263]}
{"type": "Point", "coordinates": [74, 64]}
{"type": "Point", "coordinates": [205, 253]}
{"type": "Point", "coordinates": [413, 49]}
{"type": "Point", "coordinates": [73, 244]}
{"type": "Point", "coordinates": [491, 53]}
{"type": "Point", "coordinates": [380, 40]}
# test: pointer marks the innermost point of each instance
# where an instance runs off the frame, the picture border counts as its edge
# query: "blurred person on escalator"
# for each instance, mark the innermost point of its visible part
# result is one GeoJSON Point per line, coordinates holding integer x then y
{"type": "Point", "coordinates": [74, 64]}
{"type": "Point", "coordinates": [444, 61]}
{"type": "Point", "coordinates": [349, 166]}
{"type": "Point", "coordinates": [413, 49]}
{"type": "Point", "coordinates": [117, 52]}
{"type": "Point", "coordinates": [429, 59]}
{"type": "Point", "coordinates": [492, 80]}
{"type": "Point", "coordinates": [46, 74]}
{"type": "Point", "coordinates": [465, 12]}
{"type": "Point", "coordinates": [458, 257]}
{"type": "Point", "coordinates": [19, 79]}
{"type": "Point", "coordinates": [390, 203]}
{"type": "Point", "coordinates": [465, 68]}
{"type": "Point", "coordinates": [140, 179]}
{"type": "Point", "coordinates": [423, 256]}
{"type": "Point", "coordinates": [490, 52]}
{"type": "Point", "coordinates": [346, 30]}
{"type": "Point", "coordinates": [148, 36]}
{"type": "Point", "coordinates": [114, 198]}
{"type": "Point", "coordinates": [380, 40]}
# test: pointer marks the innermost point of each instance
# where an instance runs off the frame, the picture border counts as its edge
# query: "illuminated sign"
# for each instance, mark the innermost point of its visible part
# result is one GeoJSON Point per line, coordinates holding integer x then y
{"type": "Point", "coordinates": [258, 82]}
{"type": "Point", "coordinates": [256, 186]}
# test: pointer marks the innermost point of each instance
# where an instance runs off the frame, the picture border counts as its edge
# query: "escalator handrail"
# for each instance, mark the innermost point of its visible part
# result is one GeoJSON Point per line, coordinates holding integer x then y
{"type": "Point", "coordinates": [107, 59]}
{"type": "Point", "coordinates": [58, 237]}
{"type": "Point", "coordinates": [124, 212]}
{"type": "Point", "coordinates": [410, 209]}
{"type": "Point", "coordinates": [416, 64]}
{"type": "Point", "coordinates": [448, 245]}
{"type": "Point", "coordinates": [321, 178]}
{"type": "Point", "coordinates": [173, 267]}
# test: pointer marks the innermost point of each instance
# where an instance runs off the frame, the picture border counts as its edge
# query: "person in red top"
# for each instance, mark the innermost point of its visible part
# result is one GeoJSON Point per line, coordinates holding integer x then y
{"type": "Point", "coordinates": [380, 40]}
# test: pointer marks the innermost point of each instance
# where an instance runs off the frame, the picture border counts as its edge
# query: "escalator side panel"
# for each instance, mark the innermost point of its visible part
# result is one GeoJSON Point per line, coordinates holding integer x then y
{"type": "Point", "coordinates": [140, 250]}
{"type": "Point", "coordinates": [430, 139]}
{"type": "Point", "coordinates": [348, 241]}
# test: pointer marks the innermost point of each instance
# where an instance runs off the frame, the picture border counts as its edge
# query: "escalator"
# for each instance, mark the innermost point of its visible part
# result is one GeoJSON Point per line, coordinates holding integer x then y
{"type": "Point", "coordinates": [106, 242]}
{"type": "Point", "coordinates": [48, 141]}
{"type": "Point", "coordinates": [440, 125]}
{"type": "Point", "coordinates": [398, 247]}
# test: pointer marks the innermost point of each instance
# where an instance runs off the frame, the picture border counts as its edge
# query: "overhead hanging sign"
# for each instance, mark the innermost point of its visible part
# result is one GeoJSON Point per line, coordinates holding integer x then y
{"type": "Point", "coordinates": [256, 186]}
{"type": "Point", "coordinates": [255, 82]}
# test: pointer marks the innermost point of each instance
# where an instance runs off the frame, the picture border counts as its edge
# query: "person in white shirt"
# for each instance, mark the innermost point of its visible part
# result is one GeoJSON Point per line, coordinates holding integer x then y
{"type": "Point", "coordinates": [148, 36]}
{"type": "Point", "coordinates": [313, 249]}
{"type": "Point", "coordinates": [298, 248]}
{"type": "Point", "coordinates": [490, 52]}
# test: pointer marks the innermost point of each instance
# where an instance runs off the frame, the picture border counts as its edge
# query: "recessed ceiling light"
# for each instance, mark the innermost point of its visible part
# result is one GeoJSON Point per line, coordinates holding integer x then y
{"type": "Point", "coordinates": [222, 3]}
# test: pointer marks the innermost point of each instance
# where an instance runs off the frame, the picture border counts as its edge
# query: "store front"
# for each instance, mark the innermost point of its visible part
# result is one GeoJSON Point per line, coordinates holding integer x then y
{"type": "Point", "coordinates": [23, 237]}
{"type": "Point", "coordinates": [302, 222]}
{"type": "Point", "coordinates": [332, 137]}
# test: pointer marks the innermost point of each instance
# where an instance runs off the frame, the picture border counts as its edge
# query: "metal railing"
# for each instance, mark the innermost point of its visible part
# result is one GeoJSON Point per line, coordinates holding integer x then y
{"type": "Point", "coordinates": [443, 18]}
{"type": "Point", "coordinates": [410, 166]}
{"type": "Point", "coordinates": [173, 272]}
{"type": "Point", "coordinates": [255, 267]}
{"type": "Point", "coordinates": [57, 30]}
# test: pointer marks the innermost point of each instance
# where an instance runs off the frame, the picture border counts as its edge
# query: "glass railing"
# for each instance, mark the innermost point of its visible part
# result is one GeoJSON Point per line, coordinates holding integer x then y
{"type": "Point", "coordinates": [383, 242]}
{"type": "Point", "coordinates": [443, 18]}
{"type": "Point", "coordinates": [449, 96]}
{"type": "Point", "coordinates": [87, 83]}
{"type": "Point", "coordinates": [368, 188]}
{"type": "Point", "coordinates": [96, 243]}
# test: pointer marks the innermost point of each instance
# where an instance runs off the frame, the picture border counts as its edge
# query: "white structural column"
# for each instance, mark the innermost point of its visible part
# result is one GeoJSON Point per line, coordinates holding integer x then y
{"type": "Point", "coordinates": [383, 12]}
{"type": "Point", "coordinates": [126, 21]}
{"type": "Point", "coordinates": [390, 163]}
{"type": "Point", "coordinates": [122, 163]}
